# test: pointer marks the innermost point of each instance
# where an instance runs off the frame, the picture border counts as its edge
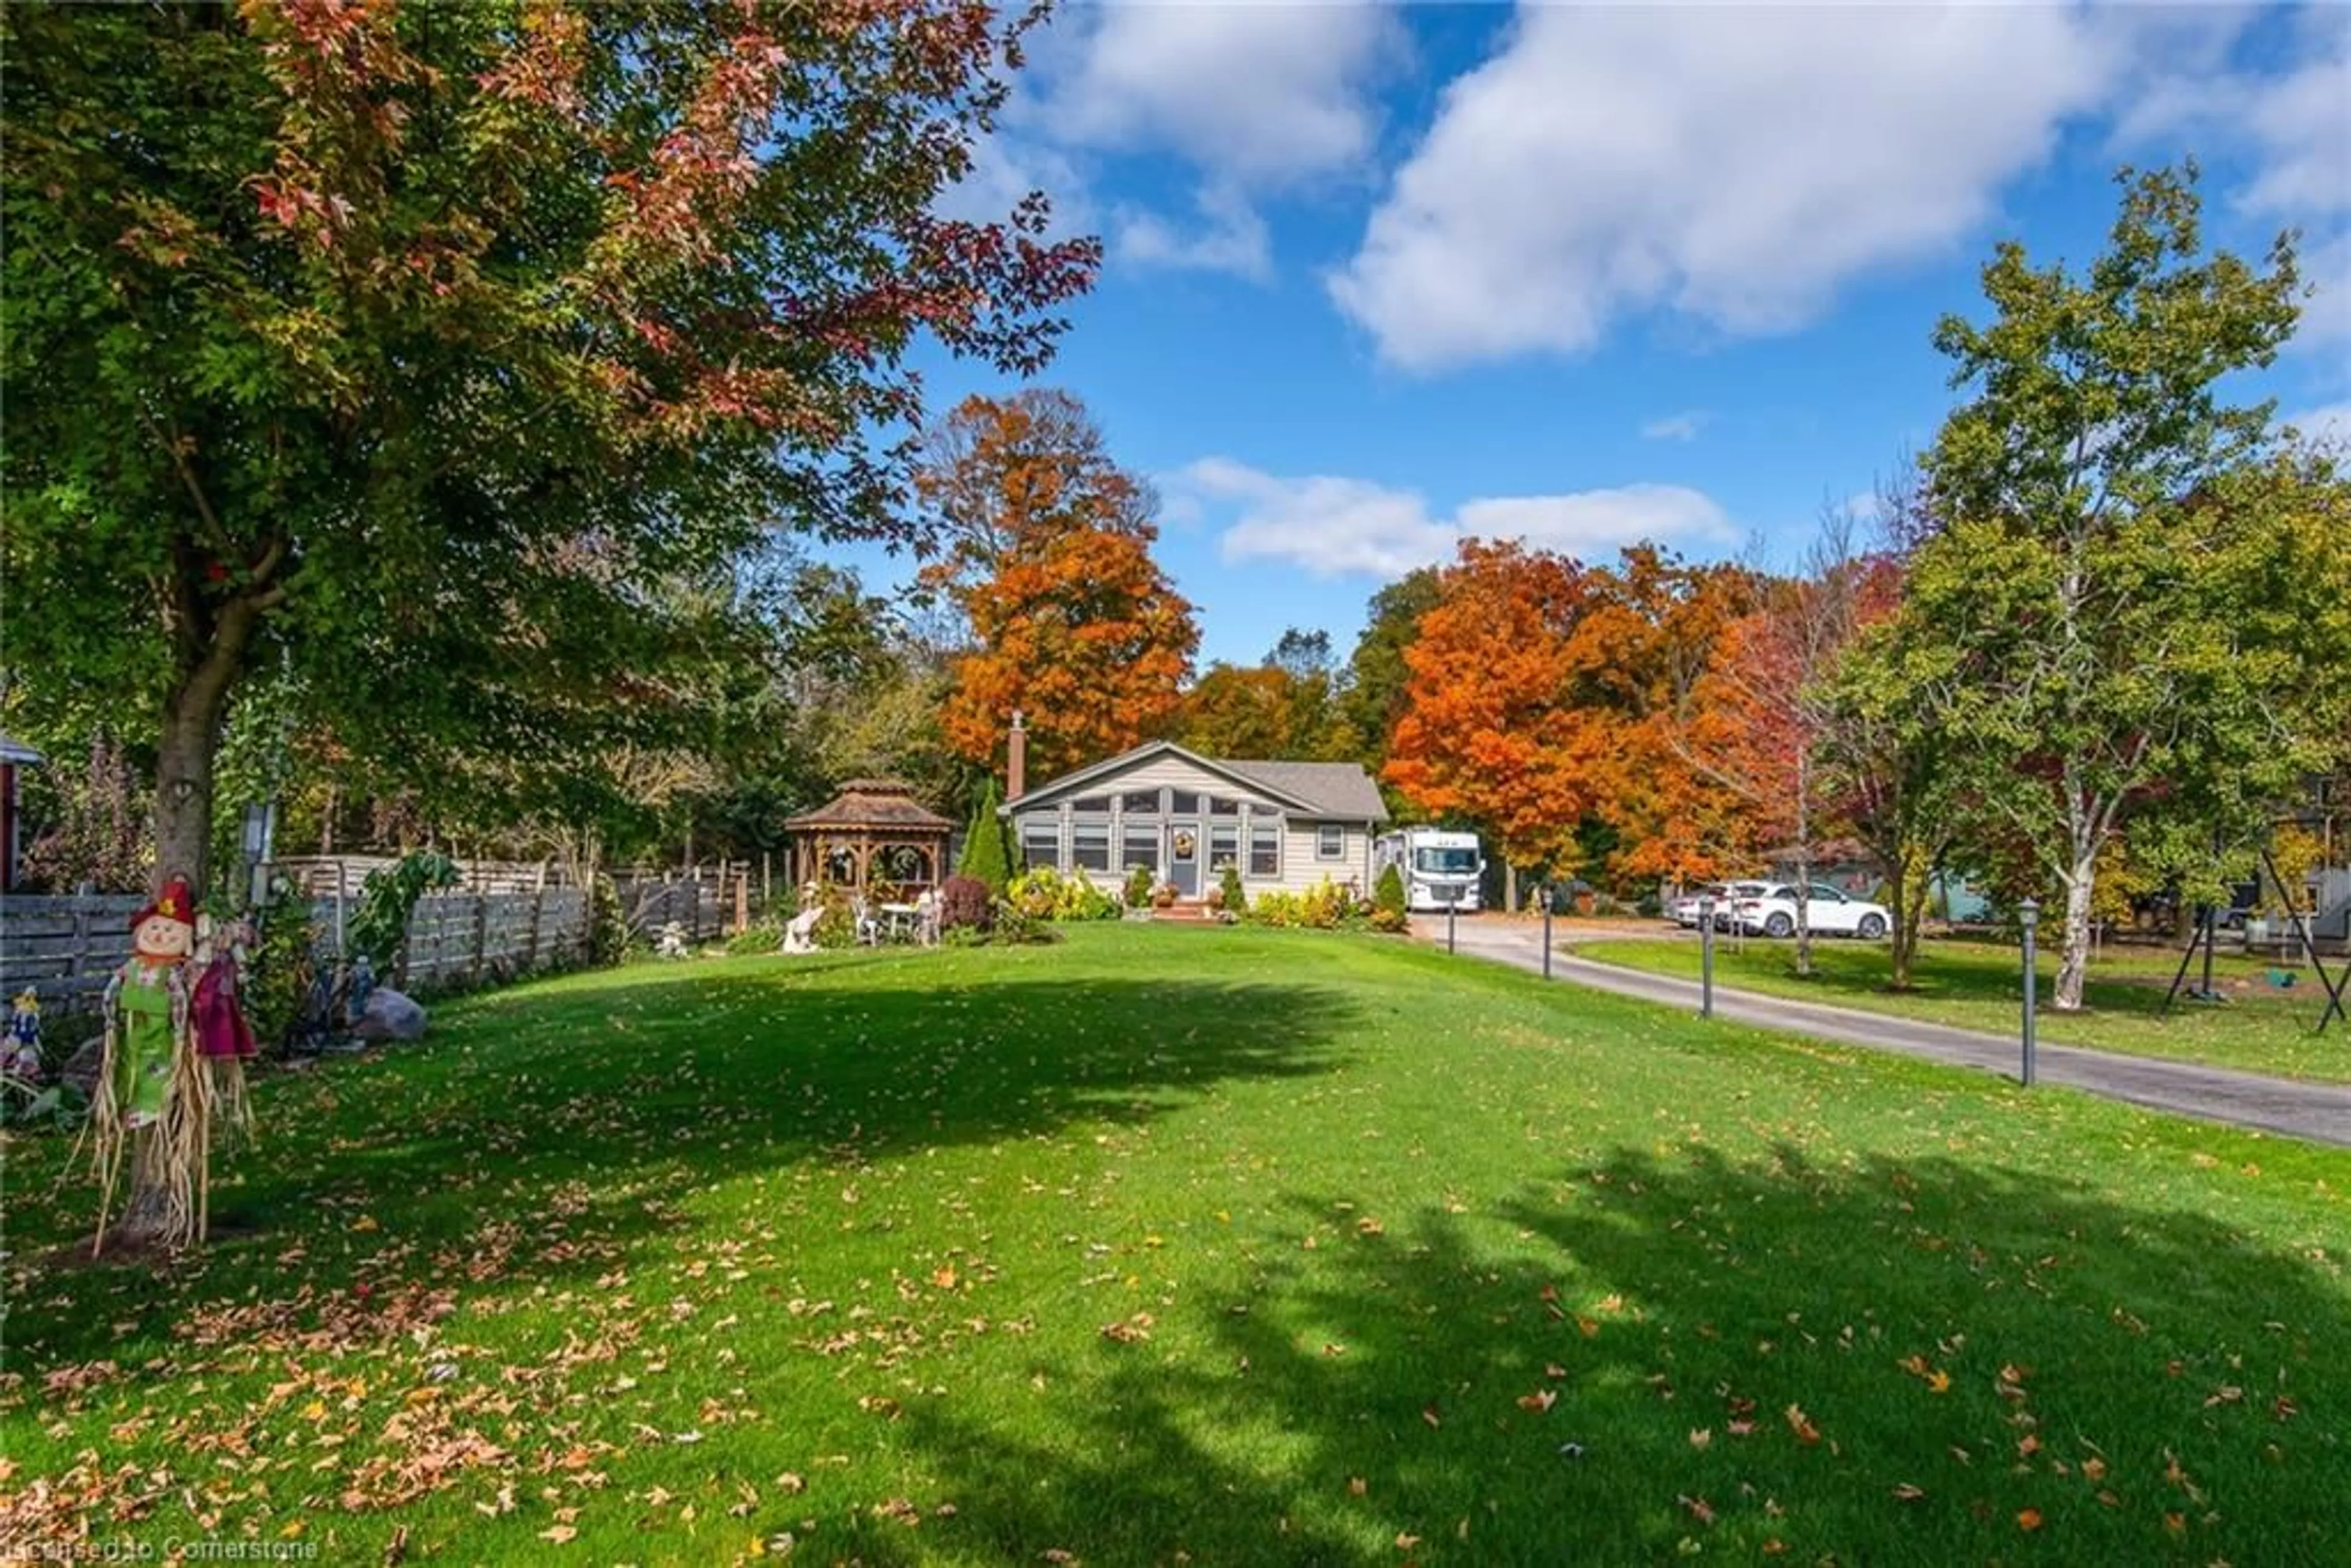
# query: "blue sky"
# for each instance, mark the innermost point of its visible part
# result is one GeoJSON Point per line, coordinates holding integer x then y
{"type": "Point", "coordinates": [1379, 276]}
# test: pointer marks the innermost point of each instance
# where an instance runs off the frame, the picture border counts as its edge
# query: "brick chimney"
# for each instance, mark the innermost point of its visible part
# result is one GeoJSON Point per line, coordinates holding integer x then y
{"type": "Point", "coordinates": [1015, 760]}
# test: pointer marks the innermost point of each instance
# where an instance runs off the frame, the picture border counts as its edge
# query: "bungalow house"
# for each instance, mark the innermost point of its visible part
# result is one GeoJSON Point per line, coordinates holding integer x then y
{"type": "Point", "coordinates": [1187, 817]}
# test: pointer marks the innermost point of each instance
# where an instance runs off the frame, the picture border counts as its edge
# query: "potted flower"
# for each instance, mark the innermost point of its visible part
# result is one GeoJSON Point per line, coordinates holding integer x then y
{"type": "Point", "coordinates": [1164, 896]}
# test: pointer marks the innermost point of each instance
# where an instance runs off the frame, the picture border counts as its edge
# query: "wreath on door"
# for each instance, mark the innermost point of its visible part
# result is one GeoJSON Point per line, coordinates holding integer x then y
{"type": "Point", "coordinates": [1185, 843]}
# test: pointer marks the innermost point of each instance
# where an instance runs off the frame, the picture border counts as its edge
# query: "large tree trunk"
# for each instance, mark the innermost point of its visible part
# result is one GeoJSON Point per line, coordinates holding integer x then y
{"type": "Point", "coordinates": [1906, 891]}
{"type": "Point", "coordinates": [2074, 968]}
{"type": "Point", "coordinates": [183, 785]}
{"type": "Point", "coordinates": [211, 644]}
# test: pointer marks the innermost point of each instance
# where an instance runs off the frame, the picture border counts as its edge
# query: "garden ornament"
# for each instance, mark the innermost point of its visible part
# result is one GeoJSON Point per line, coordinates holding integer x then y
{"type": "Point", "coordinates": [20, 1048]}
{"type": "Point", "coordinates": [223, 1037]}
{"type": "Point", "coordinates": [153, 1091]}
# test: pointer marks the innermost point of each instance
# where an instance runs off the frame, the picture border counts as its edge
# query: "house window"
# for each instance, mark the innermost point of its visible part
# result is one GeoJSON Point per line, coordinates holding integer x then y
{"type": "Point", "coordinates": [1183, 803]}
{"type": "Point", "coordinates": [1089, 845]}
{"type": "Point", "coordinates": [1220, 807]}
{"type": "Point", "coordinates": [1041, 841]}
{"type": "Point", "coordinates": [1091, 804]}
{"type": "Point", "coordinates": [1265, 846]}
{"type": "Point", "coordinates": [1329, 841]}
{"type": "Point", "coordinates": [1142, 802]}
{"type": "Point", "coordinates": [1223, 845]}
{"type": "Point", "coordinates": [1141, 848]}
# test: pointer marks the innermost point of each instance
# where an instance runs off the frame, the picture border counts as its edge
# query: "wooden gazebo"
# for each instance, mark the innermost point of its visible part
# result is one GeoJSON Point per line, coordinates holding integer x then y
{"type": "Point", "coordinates": [874, 831]}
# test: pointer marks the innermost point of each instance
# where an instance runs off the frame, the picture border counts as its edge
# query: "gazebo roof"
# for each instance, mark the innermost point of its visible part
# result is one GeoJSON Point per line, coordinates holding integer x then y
{"type": "Point", "coordinates": [885, 805]}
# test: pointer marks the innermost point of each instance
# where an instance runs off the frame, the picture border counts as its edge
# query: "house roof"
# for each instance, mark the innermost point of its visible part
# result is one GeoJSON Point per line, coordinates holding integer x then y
{"type": "Point", "coordinates": [1316, 788]}
{"type": "Point", "coordinates": [884, 803]}
{"type": "Point", "coordinates": [14, 750]}
{"type": "Point", "coordinates": [1333, 788]}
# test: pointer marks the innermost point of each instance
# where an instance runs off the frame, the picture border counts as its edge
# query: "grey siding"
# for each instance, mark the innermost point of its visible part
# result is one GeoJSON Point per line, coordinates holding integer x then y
{"type": "Point", "coordinates": [1302, 867]}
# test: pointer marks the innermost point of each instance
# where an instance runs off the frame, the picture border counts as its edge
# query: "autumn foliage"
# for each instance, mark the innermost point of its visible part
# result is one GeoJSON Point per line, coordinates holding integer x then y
{"type": "Point", "coordinates": [1547, 701]}
{"type": "Point", "coordinates": [1487, 732]}
{"type": "Point", "coordinates": [1046, 554]}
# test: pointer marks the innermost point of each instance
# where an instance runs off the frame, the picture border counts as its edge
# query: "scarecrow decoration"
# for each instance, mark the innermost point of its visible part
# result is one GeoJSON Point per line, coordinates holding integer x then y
{"type": "Point", "coordinates": [156, 1090]}
{"type": "Point", "coordinates": [223, 1037]}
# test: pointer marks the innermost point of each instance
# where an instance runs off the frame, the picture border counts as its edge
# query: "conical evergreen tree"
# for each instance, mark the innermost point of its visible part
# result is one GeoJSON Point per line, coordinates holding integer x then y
{"type": "Point", "coordinates": [985, 853]}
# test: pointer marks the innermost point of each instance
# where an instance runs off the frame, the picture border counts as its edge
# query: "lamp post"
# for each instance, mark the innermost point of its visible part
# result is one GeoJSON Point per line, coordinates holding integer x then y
{"type": "Point", "coordinates": [1451, 905]}
{"type": "Point", "coordinates": [1705, 955]}
{"type": "Point", "coordinates": [1544, 893]}
{"type": "Point", "coordinates": [2028, 915]}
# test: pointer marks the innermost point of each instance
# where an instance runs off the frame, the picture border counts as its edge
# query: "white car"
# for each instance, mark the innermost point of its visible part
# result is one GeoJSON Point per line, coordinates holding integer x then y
{"type": "Point", "coordinates": [1683, 911]}
{"type": "Point", "coordinates": [1829, 912]}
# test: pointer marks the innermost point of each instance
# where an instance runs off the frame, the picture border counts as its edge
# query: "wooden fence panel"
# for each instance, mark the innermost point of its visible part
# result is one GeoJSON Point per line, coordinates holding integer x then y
{"type": "Point", "coordinates": [67, 947]}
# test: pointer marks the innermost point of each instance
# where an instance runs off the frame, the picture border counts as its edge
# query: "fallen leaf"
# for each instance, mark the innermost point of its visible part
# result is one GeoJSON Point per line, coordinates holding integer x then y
{"type": "Point", "coordinates": [1700, 1509]}
{"type": "Point", "coordinates": [1801, 1426]}
{"type": "Point", "coordinates": [1541, 1399]}
{"type": "Point", "coordinates": [1702, 1436]}
{"type": "Point", "coordinates": [1357, 1486]}
{"type": "Point", "coordinates": [2028, 1518]}
{"type": "Point", "coordinates": [1939, 1382]}
{"type": "Point", "coordinates": [557, 1533]}
{"type": "Point", "coordinates": [1908, 1493]}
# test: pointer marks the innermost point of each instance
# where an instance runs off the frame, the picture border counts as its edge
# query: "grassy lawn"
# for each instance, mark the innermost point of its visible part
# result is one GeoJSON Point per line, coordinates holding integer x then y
{"type": "Point", "coordinates": [1976, 984]}
{"type": "Point", "coordinates": [1167, 1246]}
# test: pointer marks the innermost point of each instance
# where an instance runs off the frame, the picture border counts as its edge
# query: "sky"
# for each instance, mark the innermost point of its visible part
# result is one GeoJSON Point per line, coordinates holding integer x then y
{"type": "Point", "coordinates": [1379, 276]}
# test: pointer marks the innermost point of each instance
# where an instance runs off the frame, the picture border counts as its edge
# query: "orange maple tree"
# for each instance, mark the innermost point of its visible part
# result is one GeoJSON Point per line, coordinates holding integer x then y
{"type": "Point", "coordinates": [1047, 553]}
{"type": "Point", "coordinates": [1642, 655]}
{"type": "Point", "coordinates": [1488, 730]}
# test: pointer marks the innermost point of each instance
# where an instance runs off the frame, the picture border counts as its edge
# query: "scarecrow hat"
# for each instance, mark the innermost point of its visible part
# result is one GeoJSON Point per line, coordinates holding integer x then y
{"type": "Point", "coordinates": [174, 903]}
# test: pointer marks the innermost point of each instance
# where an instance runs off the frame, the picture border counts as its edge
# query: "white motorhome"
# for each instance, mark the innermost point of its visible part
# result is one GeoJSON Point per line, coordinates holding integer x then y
{"type": "Point", "coordinates": [1441, 868]}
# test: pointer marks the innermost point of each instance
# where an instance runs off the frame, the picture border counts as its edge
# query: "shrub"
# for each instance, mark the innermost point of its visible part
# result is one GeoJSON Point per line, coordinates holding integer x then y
{"type": "Point", "coordinates": [1387, 893]}
{"type": "Point", "coordinates": [378, 929]}
{"type": "Point", "coordinates": [279, 969]}
{"type": "Point", "coordinates": [1013, 928]}
{"type": "Point", "coordinates": [987, 857]}
{"type": "Point", "coordinates": [762, 936]}
{"type": "Point", "coordinates": [1236, 896]}
{"type": "Point", "coordinates": [1648, 906]}
{"type": "Point", "coordinates": [837, 926]}
{"type": "Point", "coordinates": [1044, 893]}
{"type": "Point", "coordinates": [1138, 887]}
{"type": "Point", "coordinates": [964, 903]}
{"type": "Point", "coordinates": [1323, 907]}
{"type": "Point", "coordinates": [608, 937]}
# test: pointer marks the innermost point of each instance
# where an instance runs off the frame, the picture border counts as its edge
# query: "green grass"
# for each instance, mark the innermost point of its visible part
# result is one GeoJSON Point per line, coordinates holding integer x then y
{"type": "Point", "coordinates": [1977, 985]}
{"type": "Point", "coordinates": [682, 1259]}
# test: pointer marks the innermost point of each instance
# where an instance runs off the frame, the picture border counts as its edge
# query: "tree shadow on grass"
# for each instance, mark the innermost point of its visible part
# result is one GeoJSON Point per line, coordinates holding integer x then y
{"type": "Point", "coordinates": [582, 1114]}
{"type": "Point", "coordinates": [1659, 1356]}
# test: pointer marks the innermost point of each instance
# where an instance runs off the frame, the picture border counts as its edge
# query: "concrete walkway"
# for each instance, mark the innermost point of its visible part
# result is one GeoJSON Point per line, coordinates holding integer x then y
{"type": "Point", "coordinates": [2319, 1111]}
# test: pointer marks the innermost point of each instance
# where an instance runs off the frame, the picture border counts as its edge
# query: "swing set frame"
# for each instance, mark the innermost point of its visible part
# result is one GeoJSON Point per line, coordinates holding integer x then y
{"type": "Point", "coordinates": [2207, 931]}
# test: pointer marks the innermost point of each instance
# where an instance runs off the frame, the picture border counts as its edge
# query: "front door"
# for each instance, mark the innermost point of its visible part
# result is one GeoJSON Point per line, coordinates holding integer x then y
{"type": "Point", "coordinates": [1184, 858]}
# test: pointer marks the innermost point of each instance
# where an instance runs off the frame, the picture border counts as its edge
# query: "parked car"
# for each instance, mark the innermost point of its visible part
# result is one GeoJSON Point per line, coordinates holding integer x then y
{"type": "Point", "coordinates": [1683, 911]}
{"type": "Point", "coordinates": [1830, 912]}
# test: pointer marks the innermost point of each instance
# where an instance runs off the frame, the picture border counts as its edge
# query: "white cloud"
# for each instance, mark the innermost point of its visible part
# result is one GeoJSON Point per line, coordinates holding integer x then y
{"type": "Point", "coordinates": [1006, 166]}
{"type": "Point", "coordinates": [1737, 165]}
{"type": "Point", "coordinates": [2298, 122]}
{"type": "Point", "coordinates": [1255, 99]}
{"type": "Point", "coordinates": [1232, 238]}
{"type": "Point", "coordinates": [1682, 426]}
{"type": "Point", "coordinates": [2329, 426]}
{"type": "Point", "coordinates": [1250, 94]}
{"type": "Point", "coordinates": [1334, 527]}
{"type": "Point", "coordinates": [2294, 125]}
